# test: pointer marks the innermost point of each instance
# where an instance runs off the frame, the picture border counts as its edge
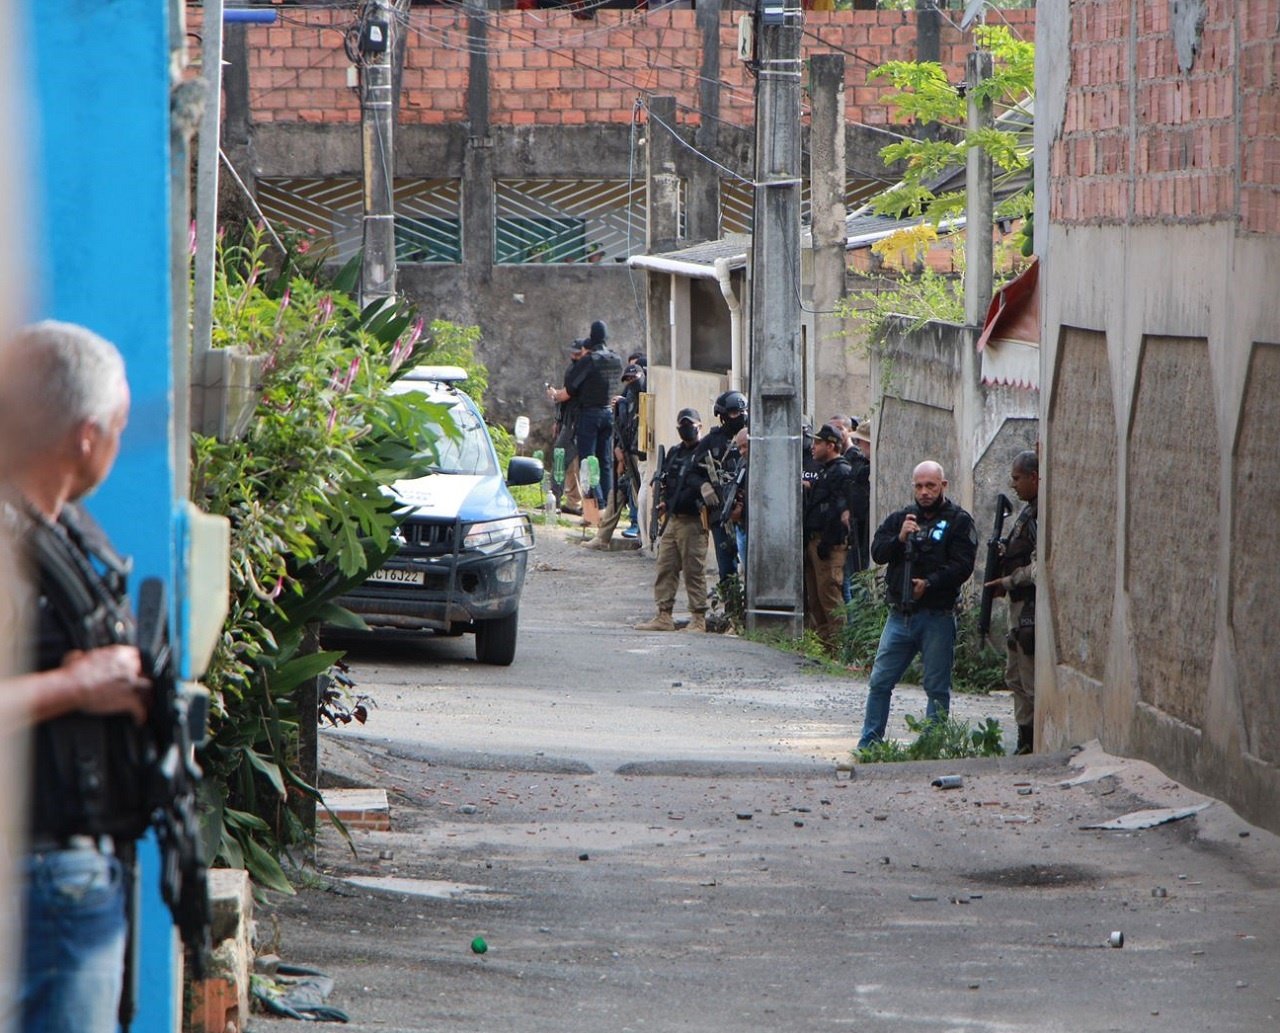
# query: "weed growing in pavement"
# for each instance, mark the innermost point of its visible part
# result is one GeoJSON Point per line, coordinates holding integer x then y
{"type": "Point", "coordinates": [940, 739]}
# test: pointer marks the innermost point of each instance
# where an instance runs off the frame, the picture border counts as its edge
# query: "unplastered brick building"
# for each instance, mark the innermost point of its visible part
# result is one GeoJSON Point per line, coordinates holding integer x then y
{"type": "Point", "coordinates": [520, 150]}
{"type": "Point", "coordinates": [1158, 224]}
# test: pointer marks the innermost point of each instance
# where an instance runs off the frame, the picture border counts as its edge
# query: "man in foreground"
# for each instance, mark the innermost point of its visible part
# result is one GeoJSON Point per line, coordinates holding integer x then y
{"type": "Point", "coordinates": [930, 548]}
{"type": "Point", "coordinates": [64, 403]}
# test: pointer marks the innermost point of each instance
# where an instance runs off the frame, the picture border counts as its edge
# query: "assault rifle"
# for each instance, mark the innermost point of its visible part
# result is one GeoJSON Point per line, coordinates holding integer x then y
{"type": "Point", "coordinates": [656, 524]}
{"type": "Point", "coordinates": [177, 723]}
{"type": "Point", "coordinates": [733, 491]}
{"type": "Point", "coordinates": [907, 590]}
{"type": "Point", "coordinates": [992, 570]}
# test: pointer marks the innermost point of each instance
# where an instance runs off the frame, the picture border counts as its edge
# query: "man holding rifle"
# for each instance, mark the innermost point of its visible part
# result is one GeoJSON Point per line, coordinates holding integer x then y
{"type": "Point", "coordinates": [682, 535]}
{"type": "Point", "coordinates": [92, 700]}
{"type": "Point", "coordinates": [1018, 582]}
{"type": "Point", "coordinates": [930, 548]}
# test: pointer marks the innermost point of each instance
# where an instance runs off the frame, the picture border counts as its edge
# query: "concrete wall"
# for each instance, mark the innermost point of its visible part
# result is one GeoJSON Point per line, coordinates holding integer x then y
{"type": "Point", "coordinates": [1158, 154]}
{"type": "Point", "coordinates": [926, 413]}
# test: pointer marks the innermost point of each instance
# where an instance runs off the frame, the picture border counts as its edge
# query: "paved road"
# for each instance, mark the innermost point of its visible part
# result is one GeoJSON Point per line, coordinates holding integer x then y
{"type": "Point", "coordinates": [650, 834]}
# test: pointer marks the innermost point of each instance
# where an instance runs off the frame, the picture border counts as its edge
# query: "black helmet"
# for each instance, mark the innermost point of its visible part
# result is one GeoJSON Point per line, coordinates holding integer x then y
{"type": "Point", "coordinates": [730, 401]}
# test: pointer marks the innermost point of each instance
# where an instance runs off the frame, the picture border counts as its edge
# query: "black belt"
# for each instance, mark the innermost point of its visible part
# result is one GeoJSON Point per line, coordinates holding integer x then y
{"type": "Point", "coordinates": [49, 844]}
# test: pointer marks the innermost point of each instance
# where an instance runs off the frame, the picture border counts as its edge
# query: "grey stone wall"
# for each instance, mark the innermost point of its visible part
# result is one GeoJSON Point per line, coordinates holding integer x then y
{"type": "Point", "coordinates": [925, 412]}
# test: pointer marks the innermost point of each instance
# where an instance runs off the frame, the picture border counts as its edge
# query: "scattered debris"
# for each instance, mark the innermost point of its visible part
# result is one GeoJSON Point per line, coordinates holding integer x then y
{"type": "Point", "coordinates": [1116, 939]}
{"type": "Point", "coordinates": [479, 946]}
{"type": "Point", "coordinates": [1159, 891]}
{"type": "Point", "coordinates": [296, 992]}
{"type": "Point", "coordinates": [948, 782]}
{"type": "Point", "coordinates": [1148, 819]}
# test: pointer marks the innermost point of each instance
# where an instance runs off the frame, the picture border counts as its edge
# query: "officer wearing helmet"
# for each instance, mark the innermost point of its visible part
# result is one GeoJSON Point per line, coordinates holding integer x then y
{"type": "Point", "coordinates": [715, 458]}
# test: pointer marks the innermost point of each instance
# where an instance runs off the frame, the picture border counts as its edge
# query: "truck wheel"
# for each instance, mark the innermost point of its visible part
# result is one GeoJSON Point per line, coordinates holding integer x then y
{"type": "Point", "coordinates": [496, 641]}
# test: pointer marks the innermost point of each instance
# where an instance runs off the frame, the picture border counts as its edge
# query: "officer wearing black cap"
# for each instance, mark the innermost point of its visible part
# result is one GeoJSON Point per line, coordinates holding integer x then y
{"type": "Point", "coordinates": [682, 542]}
{"type": "Point", "coordinates": [828, 504]}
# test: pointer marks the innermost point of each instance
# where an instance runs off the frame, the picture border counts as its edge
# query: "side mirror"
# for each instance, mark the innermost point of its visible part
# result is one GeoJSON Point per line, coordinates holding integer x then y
{"type": "Point", "coordinates": [523, 470]}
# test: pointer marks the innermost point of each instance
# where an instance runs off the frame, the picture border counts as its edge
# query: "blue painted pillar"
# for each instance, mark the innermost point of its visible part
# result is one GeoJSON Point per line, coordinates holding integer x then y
{"type": "Point", "coordinates": [100, 88]}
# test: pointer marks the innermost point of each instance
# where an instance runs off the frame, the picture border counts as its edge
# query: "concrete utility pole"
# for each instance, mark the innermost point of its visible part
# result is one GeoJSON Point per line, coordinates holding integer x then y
{"type": "Point", "coordinates": [775, 579]}
{"type": "Point", "coordinates": [833, 389]}
{"type": "Point", "coordinates": [378, 269]}
{"type": "Point", "coordinates": [978, 218]}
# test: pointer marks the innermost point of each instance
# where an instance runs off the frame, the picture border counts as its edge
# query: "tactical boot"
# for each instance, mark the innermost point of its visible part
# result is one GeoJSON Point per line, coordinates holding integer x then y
{"type": "Point", "coordinates": [697, 622]}
{"type": "Point", "coordinates": [1026, 737]}
{"type": "Point", "coordinates": [662, 622]}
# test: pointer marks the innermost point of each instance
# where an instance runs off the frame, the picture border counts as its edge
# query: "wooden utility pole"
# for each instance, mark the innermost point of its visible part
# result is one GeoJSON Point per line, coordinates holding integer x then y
{"type": "Point", "coordinates": [775, 581]}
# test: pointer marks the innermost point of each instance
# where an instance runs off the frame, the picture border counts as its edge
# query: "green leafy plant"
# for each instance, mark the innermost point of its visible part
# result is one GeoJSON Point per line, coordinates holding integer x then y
{"type": "Point", "coordinates": [305, 493]}
{"type": "Point", "coordinates": [940, 739]}
{"type": "Point", "coordinates": [922, 94]}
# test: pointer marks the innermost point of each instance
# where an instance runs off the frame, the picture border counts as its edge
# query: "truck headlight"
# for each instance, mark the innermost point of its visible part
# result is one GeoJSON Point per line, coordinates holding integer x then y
{"type": "Point", "coordinates": [494, 535]}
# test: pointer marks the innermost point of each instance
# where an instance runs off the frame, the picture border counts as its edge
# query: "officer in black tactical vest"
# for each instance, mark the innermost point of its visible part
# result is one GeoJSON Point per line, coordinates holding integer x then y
{"type": "Point", "coordinates": [592, 385]}
{"type": "Point", "coordinates": [1018, 582]}
{"type": "Point", "coordinates": [828, 502]}
{"type": "Point", "coordinates": [929, 548]}
{"type": "Point", "coordinates": [713, 455]}
{"type": "Point", "coordinates": [64, 403]}
{"type": "Point", "coordinates": [682, 542]}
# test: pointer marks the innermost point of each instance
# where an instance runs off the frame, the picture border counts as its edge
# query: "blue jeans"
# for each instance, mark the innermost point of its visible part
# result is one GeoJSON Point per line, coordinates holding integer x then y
{"type": "Point", "coordinates": [932, 634]}
{"type": "Point", "coordinates": [726, 547]}
{"type": "Point", "coordinates": [74, 941]}
{"type": "Point", "coordinates": [595, 438]}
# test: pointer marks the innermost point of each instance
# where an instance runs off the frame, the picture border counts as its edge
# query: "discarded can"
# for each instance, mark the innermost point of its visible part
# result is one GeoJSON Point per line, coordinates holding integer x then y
{"type": "Point", "coordinates": [1159, 891]}
{"type": "Point", "coordinates": [1116, 939]}
{"type": "Point", "coordinates": [947, 782]}
{"type": "Point", "coordinates": [478, 946]}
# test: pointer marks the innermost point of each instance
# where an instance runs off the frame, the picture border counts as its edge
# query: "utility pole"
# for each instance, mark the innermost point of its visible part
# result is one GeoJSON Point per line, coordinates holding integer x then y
{"type": "Point", "coordinates": [978, 217]}
{"type": "Point", "coordinates": [378, 268]}
{"type": "Point", "coordinates": [775, 579]}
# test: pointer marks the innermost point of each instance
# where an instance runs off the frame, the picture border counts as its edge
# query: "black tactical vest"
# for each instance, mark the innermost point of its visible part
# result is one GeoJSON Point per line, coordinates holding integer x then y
{"type": "Point", "coordinates": [91, 772]}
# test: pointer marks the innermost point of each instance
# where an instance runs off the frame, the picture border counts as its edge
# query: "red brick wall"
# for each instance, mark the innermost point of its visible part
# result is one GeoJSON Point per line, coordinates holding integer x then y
{"type": "Point", "coordinates": [548, 68]}
{"type": "Point", "coordinates": [1144, 142]}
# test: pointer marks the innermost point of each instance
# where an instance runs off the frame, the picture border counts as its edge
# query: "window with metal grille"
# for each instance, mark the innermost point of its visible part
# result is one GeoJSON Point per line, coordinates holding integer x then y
{"type": "Point", "coordinates": [561, 220]}
{"type": "Point", "coordinates": [737, 200]}
{"type": "Point", "coordinates": [428, 215]}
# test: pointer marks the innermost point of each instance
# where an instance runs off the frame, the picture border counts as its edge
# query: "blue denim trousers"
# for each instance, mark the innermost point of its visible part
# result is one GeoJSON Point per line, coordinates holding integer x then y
{"type": "Point", "coordinates": [932, 634]}
{"type": "Point", "coordinates": [74, 942]}
{"type": "Point", "coordinates": [595, 438]}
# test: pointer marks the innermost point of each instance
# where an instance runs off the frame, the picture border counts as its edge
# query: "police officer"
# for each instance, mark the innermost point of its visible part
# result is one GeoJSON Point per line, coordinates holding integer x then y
{"type": "Point", "coordinates": [682, 545]}
{"type": "Point", "coordinates": [626, 461]}
{"type": "Point", "coordinates": [930, 548]}
{"type": "Point", "coordinates": [828, 501]}
{"type": "Point", "coordinates": [1018, 582]}
{"type": "Point", "coordinates": [713, 455]}
{"type": "Point", "coordinates": [592, 383]}
{"type": "Point", "coordinates": [64, 402]}
{"type": "Point", "coordinates": [565, 436]}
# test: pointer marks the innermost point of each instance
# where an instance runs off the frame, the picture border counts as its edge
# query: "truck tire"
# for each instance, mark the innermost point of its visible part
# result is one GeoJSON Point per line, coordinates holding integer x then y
{"type": "Point", "coordinates": [496, 641]}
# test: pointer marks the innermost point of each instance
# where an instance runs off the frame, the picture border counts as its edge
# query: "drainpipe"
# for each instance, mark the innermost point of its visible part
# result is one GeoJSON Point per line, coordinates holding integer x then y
{"type": "Point", "coordinates": [724, 277]}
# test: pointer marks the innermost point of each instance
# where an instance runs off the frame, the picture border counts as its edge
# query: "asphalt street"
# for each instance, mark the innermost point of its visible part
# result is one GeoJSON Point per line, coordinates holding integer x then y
{"type": "Point", "coordinates": [649, 832]}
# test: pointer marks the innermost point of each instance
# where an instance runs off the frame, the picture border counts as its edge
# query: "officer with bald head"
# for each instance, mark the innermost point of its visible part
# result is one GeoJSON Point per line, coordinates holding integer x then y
{"type": "Point", "coordinates": [930, 548]}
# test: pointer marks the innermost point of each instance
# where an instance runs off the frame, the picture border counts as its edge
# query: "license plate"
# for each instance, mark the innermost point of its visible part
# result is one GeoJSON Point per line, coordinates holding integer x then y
{"type": "Point", "coordinates": [391, 576]}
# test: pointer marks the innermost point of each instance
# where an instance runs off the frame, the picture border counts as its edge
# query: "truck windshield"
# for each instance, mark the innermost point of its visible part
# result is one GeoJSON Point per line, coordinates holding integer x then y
{"type": "Point", "coordinates": [470, 453]}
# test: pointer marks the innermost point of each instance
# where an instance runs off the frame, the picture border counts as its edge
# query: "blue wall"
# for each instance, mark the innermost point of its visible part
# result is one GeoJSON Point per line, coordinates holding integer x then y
{"type": "Point", "coordinates": [101, 252]}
